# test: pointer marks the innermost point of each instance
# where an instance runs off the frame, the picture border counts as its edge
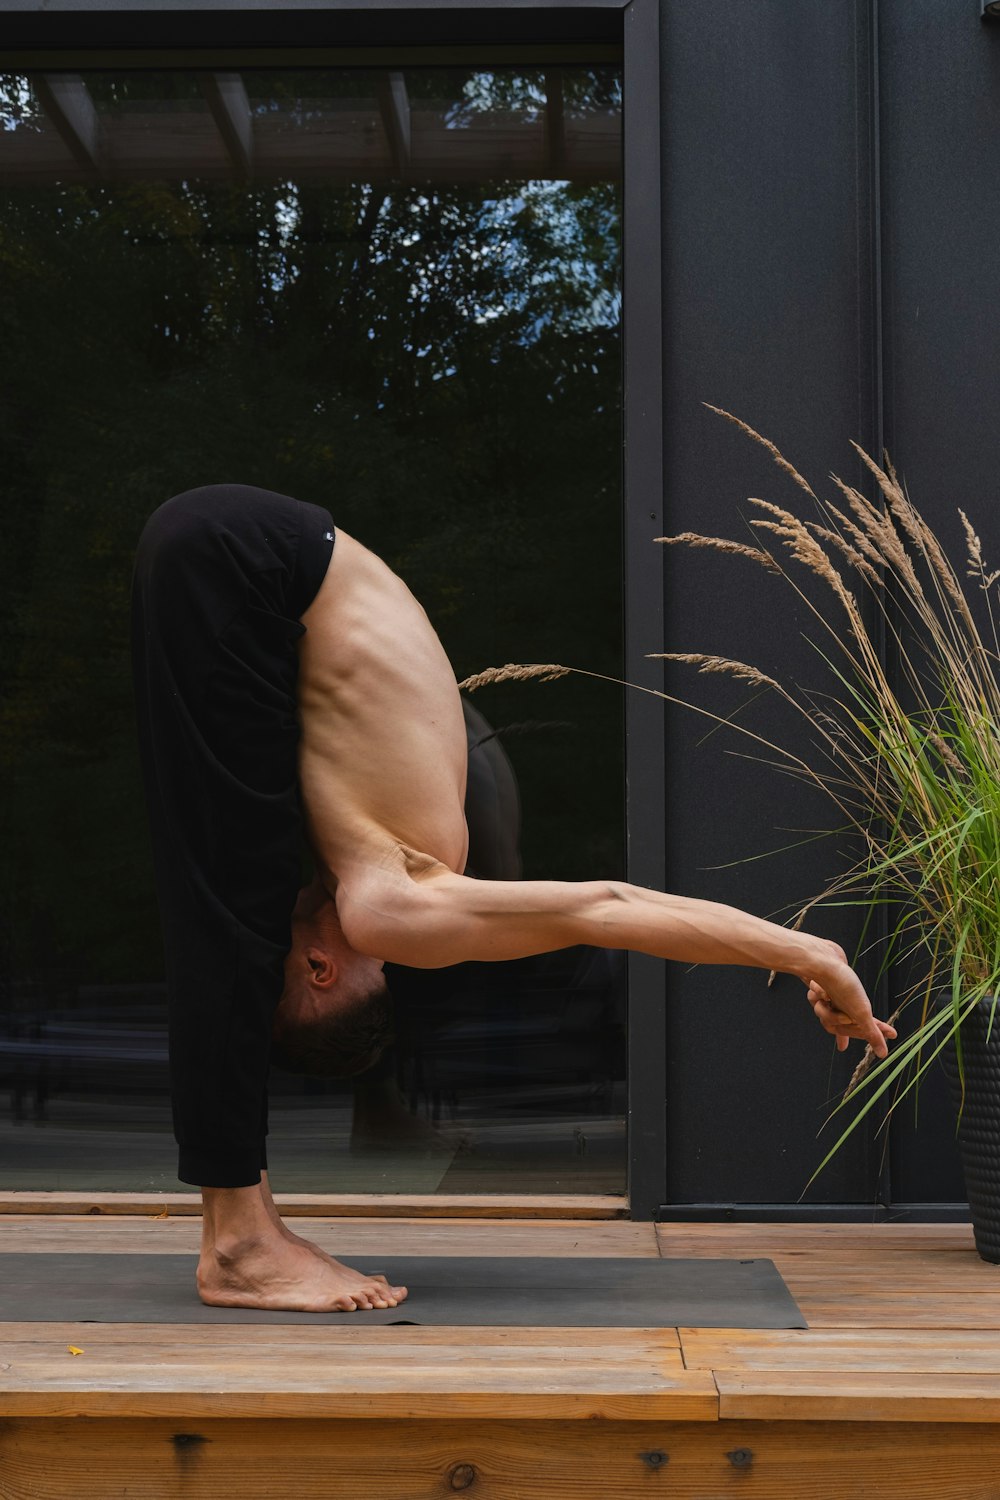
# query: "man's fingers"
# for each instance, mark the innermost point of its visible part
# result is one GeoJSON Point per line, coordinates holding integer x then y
{"type": "Point", "coordinates": [845, 1024]}
{"type": "Point", "coordinates": [844, 1027]}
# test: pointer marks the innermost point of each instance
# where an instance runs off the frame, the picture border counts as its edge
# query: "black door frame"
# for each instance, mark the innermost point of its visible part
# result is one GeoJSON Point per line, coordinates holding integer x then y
{"type": "Point", "coordinates": [136, 32]}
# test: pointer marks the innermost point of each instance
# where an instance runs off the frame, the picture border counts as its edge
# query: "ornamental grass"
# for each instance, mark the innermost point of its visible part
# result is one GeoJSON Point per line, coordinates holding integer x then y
{"type": "Point", "coordinates": [909, 757]}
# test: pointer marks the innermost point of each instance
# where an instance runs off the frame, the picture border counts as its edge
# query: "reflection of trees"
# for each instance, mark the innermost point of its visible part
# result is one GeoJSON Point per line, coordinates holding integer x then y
{"type": "Point", "coordinates": [438, 365]}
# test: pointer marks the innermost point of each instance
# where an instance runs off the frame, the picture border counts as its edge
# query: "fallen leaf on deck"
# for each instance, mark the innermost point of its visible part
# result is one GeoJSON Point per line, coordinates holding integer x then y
{"type": "Point", "coordinates": [73, 1349]}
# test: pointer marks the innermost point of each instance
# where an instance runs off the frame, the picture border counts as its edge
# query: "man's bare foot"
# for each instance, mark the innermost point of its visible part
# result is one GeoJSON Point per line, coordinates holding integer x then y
{"type": "Point", "coordinates": [278, 1274]}
{"type": "Point", "coordinates": [248, 1261]}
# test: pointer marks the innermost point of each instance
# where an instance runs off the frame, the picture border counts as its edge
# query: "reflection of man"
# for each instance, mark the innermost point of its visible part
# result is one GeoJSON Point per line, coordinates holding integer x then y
{"type": "Point", "coordinates": [247, 618]}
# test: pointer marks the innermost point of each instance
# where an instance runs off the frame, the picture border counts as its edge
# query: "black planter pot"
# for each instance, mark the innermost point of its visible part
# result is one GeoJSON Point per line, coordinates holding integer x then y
{"type": "Point", "coordinates": [979, 1128]}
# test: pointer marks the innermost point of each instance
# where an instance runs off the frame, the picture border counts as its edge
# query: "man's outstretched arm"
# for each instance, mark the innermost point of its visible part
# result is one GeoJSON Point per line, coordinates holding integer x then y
{"type": "Point", "coordinates": [439, 918]}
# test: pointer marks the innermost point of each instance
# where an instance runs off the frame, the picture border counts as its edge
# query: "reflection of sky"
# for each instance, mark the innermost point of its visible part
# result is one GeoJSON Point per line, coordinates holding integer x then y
{"type": "Point", "coordinates": [504, 275]}
{"type": "Point", "coordinates": [17, 104]}
{"type": "Point", "coordinates": [479, 96]}
{"type": "Point", "coordinates": [494, 240]}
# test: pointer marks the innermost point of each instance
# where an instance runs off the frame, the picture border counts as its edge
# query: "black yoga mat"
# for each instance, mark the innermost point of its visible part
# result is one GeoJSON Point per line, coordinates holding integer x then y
{"type": "Point", "coordinates": [529, 1292]}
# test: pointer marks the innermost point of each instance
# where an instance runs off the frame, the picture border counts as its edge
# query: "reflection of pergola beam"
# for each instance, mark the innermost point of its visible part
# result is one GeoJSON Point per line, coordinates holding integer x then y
{"type": "Point", "coordinates": [555, 123]}
{"type": "Point", "coordinates": [66, 101]}
{"type": "Point", "coordinates": [394, 107]}
{"type": "Point", "coordinates": [230, 109]}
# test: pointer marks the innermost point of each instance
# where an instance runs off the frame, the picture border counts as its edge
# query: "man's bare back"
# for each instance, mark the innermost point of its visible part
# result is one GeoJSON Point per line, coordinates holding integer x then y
{"type": "Point", "coordinates": [382, 757]}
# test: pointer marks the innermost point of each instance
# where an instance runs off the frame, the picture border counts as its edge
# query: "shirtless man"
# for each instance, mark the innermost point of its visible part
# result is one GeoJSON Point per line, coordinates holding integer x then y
{"type": "Point", "coordinates": [381, 769]}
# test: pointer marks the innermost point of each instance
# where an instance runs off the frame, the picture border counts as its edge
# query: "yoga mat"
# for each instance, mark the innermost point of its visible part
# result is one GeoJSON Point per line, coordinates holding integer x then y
{"type": "Point", "coordinates": [527, 1292]}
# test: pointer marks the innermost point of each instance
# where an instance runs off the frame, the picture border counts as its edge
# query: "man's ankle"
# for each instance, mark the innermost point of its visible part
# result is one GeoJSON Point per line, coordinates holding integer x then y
{"type": "Point", "coordinates": [234, 1215]}
{"type": "Point", "coordinates": [229, 1249]}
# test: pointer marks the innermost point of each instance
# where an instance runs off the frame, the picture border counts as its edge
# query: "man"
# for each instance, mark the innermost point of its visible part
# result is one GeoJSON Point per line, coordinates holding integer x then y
{"type": "Point", "coordinates": [278, 662]}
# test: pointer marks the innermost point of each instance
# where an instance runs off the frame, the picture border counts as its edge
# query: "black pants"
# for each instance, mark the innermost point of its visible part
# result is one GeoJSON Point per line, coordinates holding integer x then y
{"type": "Point", "coordinates": [222, 576]}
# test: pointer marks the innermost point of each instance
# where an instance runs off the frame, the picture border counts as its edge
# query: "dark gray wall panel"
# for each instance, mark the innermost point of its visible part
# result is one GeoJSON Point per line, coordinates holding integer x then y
{"type": "Point", "coordinates": [941, 215]}
{"type": "Point", "coordinates": [940, 69]}
{"type": "Point", "coordinates": [767, 295]}
{"type": "Point", "coordinates": [770, 181]}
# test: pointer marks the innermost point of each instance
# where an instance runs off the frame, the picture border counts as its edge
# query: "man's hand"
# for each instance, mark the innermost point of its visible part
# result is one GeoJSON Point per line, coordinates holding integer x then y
{"type": "Point", "coordinates": [841, 1006]}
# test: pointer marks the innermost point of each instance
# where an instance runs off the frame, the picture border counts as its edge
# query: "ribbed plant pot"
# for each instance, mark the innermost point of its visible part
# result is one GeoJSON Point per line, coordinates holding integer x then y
{"type": "Point", "coordinates": [979, 1127]}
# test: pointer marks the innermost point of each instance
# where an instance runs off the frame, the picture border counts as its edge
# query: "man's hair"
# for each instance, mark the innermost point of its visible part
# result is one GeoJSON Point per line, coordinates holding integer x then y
{"type": "Point", "coordinates": [341, 1043]}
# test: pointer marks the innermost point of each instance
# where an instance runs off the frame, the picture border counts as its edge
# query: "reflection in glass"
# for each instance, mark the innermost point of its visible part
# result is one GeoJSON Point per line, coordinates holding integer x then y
{"type": "Point", "coordinates": [394, 293]}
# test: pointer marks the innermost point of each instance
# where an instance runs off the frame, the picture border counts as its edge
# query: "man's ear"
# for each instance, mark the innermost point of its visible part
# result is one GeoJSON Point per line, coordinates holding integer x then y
{"type": "Point", "coordinates": [323, 971]}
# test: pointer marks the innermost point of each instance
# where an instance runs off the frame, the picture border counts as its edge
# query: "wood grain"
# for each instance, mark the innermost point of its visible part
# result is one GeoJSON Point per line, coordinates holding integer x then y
{"type": "Point", "coordinates": [854, 1241]}
{"type": "Point", "coordinates": [381, 1341]}
{"type": "Point", "coordinates": [836, 1396]}
{"type": "Point", "coordinates": [156, 1459]}
{"type": "Point", "coordinates": [934, 1308]}
{"type": "Point", "coordinates": [341, 1237]}
{"type": "Point", "coordinates": [355, 1378]}
{"type": "Point", "coordinates": [928, 1351]}
{"type": "Point", "coordinates": [350, 1205]}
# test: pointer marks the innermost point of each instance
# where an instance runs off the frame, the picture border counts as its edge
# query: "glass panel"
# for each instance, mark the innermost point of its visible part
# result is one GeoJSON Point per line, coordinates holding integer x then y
{"type": "Point", "coordinates": [395, 294]}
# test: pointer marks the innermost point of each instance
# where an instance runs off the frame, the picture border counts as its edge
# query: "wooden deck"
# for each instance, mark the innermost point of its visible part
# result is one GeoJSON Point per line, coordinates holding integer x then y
{"type": "Point", "coordinates": [894, 1389]}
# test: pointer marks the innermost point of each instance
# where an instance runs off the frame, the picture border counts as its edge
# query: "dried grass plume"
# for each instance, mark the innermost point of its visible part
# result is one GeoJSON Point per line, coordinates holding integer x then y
{"type": "Point", "coordinates": [513, 672]}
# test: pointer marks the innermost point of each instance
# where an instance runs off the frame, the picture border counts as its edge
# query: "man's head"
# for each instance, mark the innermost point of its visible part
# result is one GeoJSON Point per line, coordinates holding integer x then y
{"type": "Point", "coordinates": [335, 1015]}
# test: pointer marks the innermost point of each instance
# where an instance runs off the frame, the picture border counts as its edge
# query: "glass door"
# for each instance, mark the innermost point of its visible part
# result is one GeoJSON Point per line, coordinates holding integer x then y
{"type": "Point", "coordinates": [395, 293]}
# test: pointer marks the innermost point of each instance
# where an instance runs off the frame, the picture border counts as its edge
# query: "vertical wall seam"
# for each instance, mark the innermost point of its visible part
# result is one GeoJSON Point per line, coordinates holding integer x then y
{"type": "Point", "coordinates": [644, 572]}
{"type": "Point", "coordinates": [874, 399]}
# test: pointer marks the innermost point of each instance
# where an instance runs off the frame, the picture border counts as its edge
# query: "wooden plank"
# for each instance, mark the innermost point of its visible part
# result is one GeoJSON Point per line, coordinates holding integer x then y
{"type": "Point", "coordinates": [380, 1340]}
{"type": "Point", "coordinates": [928, 1351]}
{"type": "Point", "coordinates": [66, 100]}
{"type": "Point", "coordinates": [349, 1205]}
{"type": "Point", "coordinates": [892, 1263]}
{"type": "Point", "coordinates": [342, 1237]}
{"type": "Point", "coordinates": [226, 96]}
{"type": "Point", "coordinates": [878, 1280]}
{"type": "Point", "coordinates": [856, 1240]}
{"type": "Point", "coordinates": [346, 1379]}
{"type": "Point", "coordinates": [830, 1396]}
{"type": "Point", "coordinates": [394, 108]}
{"type": "Point", "coordinates": [329, 1460]}
{"type": "Point", "coordinates": [933, 1308]}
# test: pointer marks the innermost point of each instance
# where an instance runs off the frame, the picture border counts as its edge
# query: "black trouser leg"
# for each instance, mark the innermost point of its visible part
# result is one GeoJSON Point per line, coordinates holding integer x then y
{"type": "Point", "coordinates": [222, 576]}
